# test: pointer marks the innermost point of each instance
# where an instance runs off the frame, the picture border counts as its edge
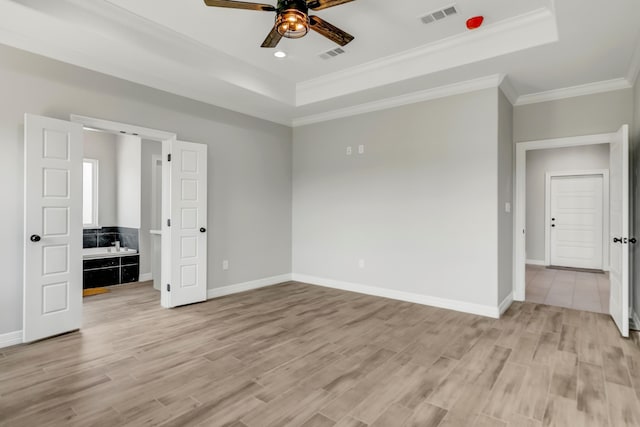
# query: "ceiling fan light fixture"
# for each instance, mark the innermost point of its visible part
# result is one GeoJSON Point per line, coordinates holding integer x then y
{"type": "Point", "coordinates": [292, 23]}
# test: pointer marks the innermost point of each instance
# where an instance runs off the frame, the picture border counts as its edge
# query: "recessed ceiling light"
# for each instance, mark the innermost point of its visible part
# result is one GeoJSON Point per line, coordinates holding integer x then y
{"type": "Point", "coordinates": [280, 54]}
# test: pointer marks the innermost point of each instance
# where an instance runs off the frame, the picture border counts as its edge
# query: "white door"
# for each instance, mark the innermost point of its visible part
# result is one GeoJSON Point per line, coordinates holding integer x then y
{"type": "Point", "coordinates": [619, 238]}
{"type": "Point", "coordinates": [576, 221]}
{"type": "Point", "coordinates": [52, 227]}
{"type": "Point", "coordinates": [188, 224]}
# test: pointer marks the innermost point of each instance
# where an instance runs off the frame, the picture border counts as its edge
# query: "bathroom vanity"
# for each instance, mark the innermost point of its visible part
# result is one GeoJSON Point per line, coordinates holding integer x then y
{"type": "Point", "coordinates": [106, 266]}
{"type": "Point", "coordinates": [104, 262]}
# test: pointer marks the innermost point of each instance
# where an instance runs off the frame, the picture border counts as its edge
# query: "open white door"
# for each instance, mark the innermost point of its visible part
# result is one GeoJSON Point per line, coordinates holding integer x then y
{"type": "Point", "coordinates": [187, 224]}
{"type": "Point", "coordinates": [619, 239]}
{"type": "Point", "coordinates": [52, 227]}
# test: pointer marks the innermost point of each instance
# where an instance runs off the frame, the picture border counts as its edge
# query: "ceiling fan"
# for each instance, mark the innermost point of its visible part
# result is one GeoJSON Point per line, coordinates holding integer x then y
{"type": "Point", "coordinates": [292, 19]}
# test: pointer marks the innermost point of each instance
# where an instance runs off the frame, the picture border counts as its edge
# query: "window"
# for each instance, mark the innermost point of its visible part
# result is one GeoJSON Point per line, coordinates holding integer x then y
{"type": "Point", "coordinates": [90, 193]}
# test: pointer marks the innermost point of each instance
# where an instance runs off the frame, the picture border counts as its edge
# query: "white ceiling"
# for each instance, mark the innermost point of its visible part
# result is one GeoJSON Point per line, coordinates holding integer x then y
{"type": "Point", "coordinates": [213, 54]}
{"type": "Point", "coordinates": [381, 28]}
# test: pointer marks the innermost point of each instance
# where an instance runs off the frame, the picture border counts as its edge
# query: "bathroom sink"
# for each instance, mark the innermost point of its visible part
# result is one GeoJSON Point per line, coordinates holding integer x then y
{"type": "Point", "coordinates": [107, 252]}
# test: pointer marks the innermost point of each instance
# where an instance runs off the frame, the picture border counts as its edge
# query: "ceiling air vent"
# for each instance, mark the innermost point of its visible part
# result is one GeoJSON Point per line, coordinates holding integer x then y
{"type": "Point", "coordinates": [332, 53]}
{"type": "Point", "coordinates": [439, 14]}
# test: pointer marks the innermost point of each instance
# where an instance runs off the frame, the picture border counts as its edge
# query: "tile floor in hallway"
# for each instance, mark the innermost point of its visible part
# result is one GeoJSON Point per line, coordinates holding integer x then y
{"type": "Point", "coordinates": [570, 289]}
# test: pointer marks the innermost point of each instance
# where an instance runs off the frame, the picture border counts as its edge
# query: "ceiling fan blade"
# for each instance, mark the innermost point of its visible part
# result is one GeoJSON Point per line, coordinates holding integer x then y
{"type": "Point", "coordinates": [240, 5]}
{"type": "Point", "coordinates": [324, 4]}
{"type": "Point", "coordinates": [331, 32]}
{"type": "Point", "coordinates": [272, 39]}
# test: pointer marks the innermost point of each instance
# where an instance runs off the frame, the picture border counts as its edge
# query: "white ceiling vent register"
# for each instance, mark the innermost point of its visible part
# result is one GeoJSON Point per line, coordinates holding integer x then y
{"type": "Point", "coordinates": [332, 53]}
{"type": "Point", "coordinates": [439, 14]}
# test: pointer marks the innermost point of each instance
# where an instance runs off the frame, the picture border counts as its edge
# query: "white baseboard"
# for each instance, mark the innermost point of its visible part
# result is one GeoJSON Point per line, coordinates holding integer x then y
{"type": "Point", "coordinates": [506, 303]}
{"type": "Point", "coordinates": [535, 262]}
{"type": "Point", "coordinates": [636, 318]}
{"type": "Point", "coordinates": [11, 338]}
{"type": "Point", "coordinates": [247, 286]}
{"type": "Point", "coordinates": [465, 307]}
{"type": "Point", "coordinates": [144, 277]}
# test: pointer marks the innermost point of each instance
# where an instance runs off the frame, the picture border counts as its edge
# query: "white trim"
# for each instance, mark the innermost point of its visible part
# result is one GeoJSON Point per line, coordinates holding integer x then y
{"type": "Point", "coordinates": [519, 197]}
{"type": "Point", "coordinates": [109, 126]}
{"type": "Point", "coordinates": [155, 221]}
{"type": "Point", "coordinates": [145, 277]}
{"type": "Point", "coordinates": [636, 318]}
{"type": "Point", "coordinates": [10, 338]}
{"type": "Point", "coordinates": [505, 304]}
{"type": "Point", "coordinates": [535, 262]}
{"type": "Point", "coordinates": [508, 90]}
{"type": "Point", "coordinates": [535, 28]}
{"type": "Point", "coordinates": [248, 286]}
{"type": "Point", "coordinates": [398, 101]}
{"type": "Point", "coordinates": [604, 173]}
{"type": "Point", "coordinates": [449, 304]}
{"type": "Point", "coordinates": [574, 91]}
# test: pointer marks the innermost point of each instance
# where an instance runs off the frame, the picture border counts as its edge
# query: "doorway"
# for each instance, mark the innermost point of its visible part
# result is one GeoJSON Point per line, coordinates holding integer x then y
{"type": "Point", "coordinates": [617, 241]}
{"type": "Point", "coordinates": [54, 218]}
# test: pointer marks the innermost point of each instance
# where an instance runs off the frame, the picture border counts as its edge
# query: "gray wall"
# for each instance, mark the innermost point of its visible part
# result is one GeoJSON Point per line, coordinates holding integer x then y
{"type": "Point", "coordinates": [583, 115]}
{"type": "Point", "coordinates": [505, 195]}
{"type": "Point", "coordinates": [249, 166]}
{"type": "Point", "coordinates": [635, 139]}
{"type": "Point", "coordinates": [539, 162]}
{"type": "Point", "coordinates": [102, 147]}
{"type": "Point", "coordinates": [419, 206]}
{"type": "Point", "coordinates": [149, 148]}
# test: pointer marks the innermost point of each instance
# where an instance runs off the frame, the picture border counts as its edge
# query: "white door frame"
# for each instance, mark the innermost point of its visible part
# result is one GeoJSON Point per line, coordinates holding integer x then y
{"type": "Point", "coordinates": [604, 173]}
{"type": "Point", "coordinates": [519, 196]}
{"type": "Point", "coordinates": [155, 159]}
{"type": "Point", "coordinates": [166, 138]}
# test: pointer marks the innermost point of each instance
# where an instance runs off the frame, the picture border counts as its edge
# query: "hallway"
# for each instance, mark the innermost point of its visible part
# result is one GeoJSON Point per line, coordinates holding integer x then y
{"type": "Point", "coordinates": [570, 289]}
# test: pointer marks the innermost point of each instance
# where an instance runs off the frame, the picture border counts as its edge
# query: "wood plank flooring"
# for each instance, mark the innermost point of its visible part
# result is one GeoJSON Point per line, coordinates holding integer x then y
{"type": "Point", "coordinates": [301, 355]}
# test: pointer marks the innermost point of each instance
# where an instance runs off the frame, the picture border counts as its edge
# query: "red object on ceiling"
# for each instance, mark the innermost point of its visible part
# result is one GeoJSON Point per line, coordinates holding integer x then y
{"type": "Point", "coordinates": [475, 22]}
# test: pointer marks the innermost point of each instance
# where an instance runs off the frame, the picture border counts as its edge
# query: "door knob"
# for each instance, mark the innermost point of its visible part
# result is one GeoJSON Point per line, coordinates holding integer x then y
{"type": "Point", "coordinates": [617, 240]}
{"type": "Point", "coordinates": [34, 238]}
{"type": "Point", "coordinates": [632, 240]}
{"type": "Point", "coordinates": [553, 225]}
{"type": "Point", "coordinates": [203, 230]}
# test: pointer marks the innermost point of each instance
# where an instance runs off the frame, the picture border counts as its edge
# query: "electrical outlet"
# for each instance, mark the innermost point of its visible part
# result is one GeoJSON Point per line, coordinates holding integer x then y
{"type": "Point", "coordinates": [225, 264]}
{"type": "Point", "coordinates": [361, 263]}
{"type": "Point", "coordinates": [349, 151]}
{"type": "Point", "coordinates": [360, 149]}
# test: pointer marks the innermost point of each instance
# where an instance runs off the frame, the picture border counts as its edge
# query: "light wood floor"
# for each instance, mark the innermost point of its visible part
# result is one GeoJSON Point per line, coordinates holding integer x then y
{"type": "Point", "coordinates": [301, 355]}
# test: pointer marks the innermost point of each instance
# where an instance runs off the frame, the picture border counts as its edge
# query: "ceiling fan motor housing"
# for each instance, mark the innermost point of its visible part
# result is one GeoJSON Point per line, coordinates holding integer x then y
{"type": "Point", "coordinates": [292, 19]}
{"type": "Point", "coordinates": [300, 5]}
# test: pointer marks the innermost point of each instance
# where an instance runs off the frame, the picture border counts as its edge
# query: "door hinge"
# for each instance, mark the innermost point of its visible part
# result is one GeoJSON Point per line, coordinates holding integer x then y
{"type": "Point", "coordinates": [169, 157]}
{"type": "Point", "coordinates": [168, 287]}
{"type": "Point", "coordinates": [168, 223]}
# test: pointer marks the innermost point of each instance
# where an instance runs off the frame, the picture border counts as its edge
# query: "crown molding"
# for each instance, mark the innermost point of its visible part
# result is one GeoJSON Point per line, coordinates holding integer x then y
{"type": "Point", "coordinates": [574, 91]}
{"type": "Point", "coordinates": [398, 101]}
{"type": "Point", "coordinates": [535, 28]}
{"type": "Point", "coordinates": [508, 90]}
